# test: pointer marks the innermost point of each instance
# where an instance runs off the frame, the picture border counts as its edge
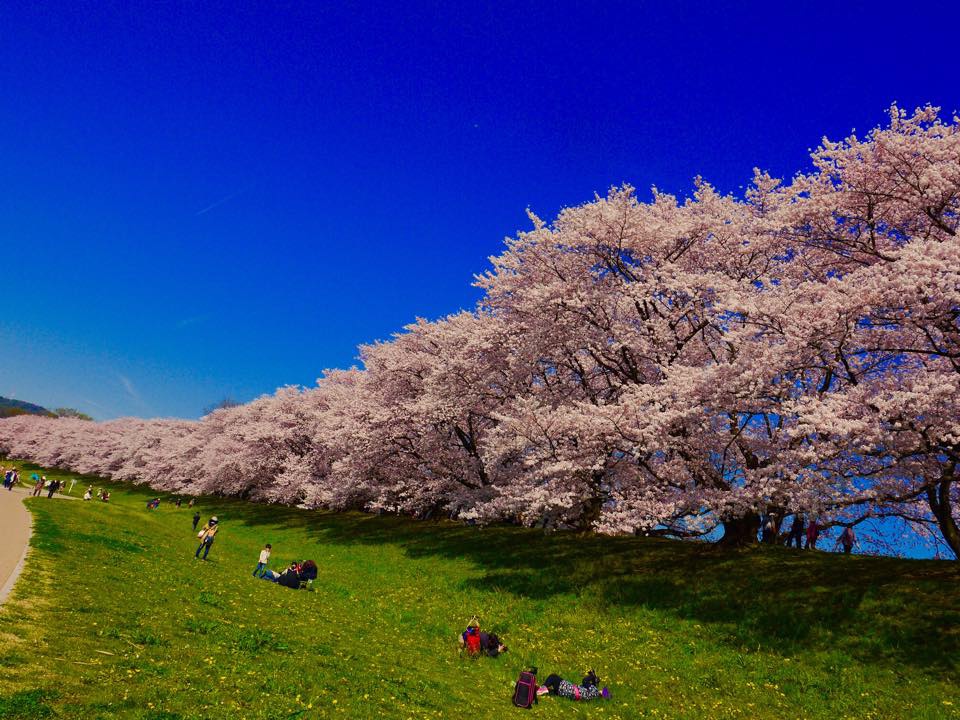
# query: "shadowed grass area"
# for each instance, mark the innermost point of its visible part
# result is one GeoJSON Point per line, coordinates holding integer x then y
{"type": "Point", "coordinates": [133, 627]}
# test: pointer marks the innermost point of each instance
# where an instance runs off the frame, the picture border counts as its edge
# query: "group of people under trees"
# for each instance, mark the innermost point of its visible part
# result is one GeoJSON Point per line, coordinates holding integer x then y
{"type": "Point", "coordinates": [11, 477]}
{"type": "Point", "coordinates": [103, 495]}
{"type": "Point", "coordinates": [770, 535]}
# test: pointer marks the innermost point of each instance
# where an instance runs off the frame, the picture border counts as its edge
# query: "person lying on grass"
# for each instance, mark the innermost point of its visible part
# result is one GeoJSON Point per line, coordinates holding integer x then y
{"type": "Point", "coordinates": [589, 689]}
{"type": "Point", "coordinates": [294, 575]}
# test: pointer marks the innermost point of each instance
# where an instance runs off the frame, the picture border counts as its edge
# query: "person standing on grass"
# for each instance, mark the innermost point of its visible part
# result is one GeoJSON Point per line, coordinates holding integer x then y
{"type": "Point", "coordinates": [196, 519]}
{"type": "Point", "coordinates": [848, 538]}
{"type": "Point", "coordinates": [813, 534]}
{"type": "Point", "coordinates": [206, 536]}
{"type": "Point", "coordinates": [770, 529]}
{"type": "Point", "coordinates": [264, 559]}
{"type": "Point", "coordinates": [796, 532]}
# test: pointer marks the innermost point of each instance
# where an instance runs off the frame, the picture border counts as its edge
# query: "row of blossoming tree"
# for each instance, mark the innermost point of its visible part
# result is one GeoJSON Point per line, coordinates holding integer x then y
{"type": "Point", "coordinates": [670, 367]}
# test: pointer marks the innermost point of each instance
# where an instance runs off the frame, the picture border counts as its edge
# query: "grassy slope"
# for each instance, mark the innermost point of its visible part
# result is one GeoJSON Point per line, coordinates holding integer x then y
{"type": "Point", "coordinates": [114, 618]}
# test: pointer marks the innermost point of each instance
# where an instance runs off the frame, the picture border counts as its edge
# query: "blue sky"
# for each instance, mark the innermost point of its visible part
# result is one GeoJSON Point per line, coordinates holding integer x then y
{"type": "Point", "coordinates": [211, 199]}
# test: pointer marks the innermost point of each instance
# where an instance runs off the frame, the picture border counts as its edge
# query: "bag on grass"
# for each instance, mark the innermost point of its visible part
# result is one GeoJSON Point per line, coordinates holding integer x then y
{"type": "Point", "coordinates": [525, 691]}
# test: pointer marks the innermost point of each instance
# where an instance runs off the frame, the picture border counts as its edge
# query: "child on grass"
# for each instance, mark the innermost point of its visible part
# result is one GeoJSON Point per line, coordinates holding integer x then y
{"type": "Point", "coordinates": [264, 559]}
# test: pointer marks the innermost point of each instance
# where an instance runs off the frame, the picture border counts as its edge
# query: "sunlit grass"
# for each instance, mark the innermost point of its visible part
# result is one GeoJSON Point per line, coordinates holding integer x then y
{"type": "Point", "coordinates": [114, 618]}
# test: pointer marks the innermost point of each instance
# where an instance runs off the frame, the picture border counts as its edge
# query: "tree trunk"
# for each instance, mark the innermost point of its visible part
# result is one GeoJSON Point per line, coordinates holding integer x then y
{"type": "Point", "coordinates": [939, 498]}
{"type": "Point", "coordinates": [593, 506]}
{"type": "Point", "coordinates": [740, 531]}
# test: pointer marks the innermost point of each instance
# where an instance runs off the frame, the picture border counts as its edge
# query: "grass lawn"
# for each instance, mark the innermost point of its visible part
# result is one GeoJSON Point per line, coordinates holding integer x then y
{"type": "Point", "coordinates": [113, 618]}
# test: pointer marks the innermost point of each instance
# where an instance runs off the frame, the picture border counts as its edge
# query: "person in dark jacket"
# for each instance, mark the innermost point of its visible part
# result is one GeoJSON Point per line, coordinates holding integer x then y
{"type": "Point", "coordinates": [289, 578]}
{"type": "Point", "coordinates": [796, 532]}
{"type": "Point", "coordinates": [308, 571]}
{"type": "Point", "coordinates": [196, 519]}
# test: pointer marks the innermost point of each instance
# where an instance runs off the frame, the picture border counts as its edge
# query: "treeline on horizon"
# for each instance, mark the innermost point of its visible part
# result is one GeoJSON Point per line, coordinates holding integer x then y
{"type": "Point", "coordinates": [11, 408]}
{"type": "Point", "coordinates": [671, 367]}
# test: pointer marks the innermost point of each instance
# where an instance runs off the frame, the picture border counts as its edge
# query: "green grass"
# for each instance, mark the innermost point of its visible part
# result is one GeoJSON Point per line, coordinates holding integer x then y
{"type": "Point", "coordinates": [113, 618]}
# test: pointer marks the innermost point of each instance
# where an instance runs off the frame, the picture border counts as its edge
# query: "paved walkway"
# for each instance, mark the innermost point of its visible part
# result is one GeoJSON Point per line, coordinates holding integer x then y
{"type": "Point", "coordinates": [15, 530]}
{"type": "Point", "coordinates": [15, 525]}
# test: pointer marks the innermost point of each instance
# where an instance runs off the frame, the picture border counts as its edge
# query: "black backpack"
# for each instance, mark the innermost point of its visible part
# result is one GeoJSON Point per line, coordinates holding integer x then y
{"type": "Point", "coordinates": [525, 691]}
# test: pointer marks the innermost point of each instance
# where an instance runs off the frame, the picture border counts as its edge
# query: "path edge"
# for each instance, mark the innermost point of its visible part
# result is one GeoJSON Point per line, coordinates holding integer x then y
{"type": "Point", "coordinates": [15, 575]}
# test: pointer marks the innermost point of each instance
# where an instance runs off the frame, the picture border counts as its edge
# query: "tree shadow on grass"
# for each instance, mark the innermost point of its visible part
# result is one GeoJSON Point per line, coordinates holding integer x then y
{"type": "Point", "coordinates": [874, 609]}
{"type": "Point", "coordinates": [878, 610]}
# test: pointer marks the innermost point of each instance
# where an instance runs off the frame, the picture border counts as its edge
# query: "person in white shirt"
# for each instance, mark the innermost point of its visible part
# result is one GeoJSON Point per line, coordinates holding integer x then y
{"type": "Point", "coordinates": [264, 559]}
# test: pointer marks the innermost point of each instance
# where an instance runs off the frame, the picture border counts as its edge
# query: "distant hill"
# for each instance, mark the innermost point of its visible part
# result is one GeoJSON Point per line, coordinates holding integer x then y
{"type": "Point", "coordinates": [9, 408]}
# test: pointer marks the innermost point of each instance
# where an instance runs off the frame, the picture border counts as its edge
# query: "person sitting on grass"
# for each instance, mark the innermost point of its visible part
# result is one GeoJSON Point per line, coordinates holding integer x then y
{"type": "Point", "coordinates": [589, 689]}
{"type": "Point", "coordinates": [308, 571]}
{"type": "Point", "coordinates": [476, 642]}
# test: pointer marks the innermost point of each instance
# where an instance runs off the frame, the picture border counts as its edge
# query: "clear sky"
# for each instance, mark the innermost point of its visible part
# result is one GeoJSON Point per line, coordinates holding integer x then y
{"type": "Point", "coordinates": [202, 199]}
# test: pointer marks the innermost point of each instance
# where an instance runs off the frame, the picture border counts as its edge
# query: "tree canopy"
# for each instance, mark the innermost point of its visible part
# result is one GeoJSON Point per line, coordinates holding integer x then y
{"type": "Point", "coordinates": [674, 366]}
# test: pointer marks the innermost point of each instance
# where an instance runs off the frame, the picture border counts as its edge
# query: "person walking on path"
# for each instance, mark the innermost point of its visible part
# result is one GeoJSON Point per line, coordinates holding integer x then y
{"type": "Point", "coordinates": [264, 559]}
{"type": "Point", "coordinates": [52, 488]}
{"type": "Point", "coordinates": [38, 485]}
{"type": "Point", "coordinates": [848, 538]}
{"type": "Point", "coordinates": [196, 519]}
{"type": "Point", "coordinates": [796, 532]}
{"type": "Point", "coordinates": [813, 533]}
{"type": "Point", "coordinates": [206, 537]}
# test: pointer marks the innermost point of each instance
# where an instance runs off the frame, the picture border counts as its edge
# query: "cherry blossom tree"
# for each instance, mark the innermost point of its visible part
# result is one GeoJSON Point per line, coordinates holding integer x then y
{"type": "Point", "coordinates": [674, 367]}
